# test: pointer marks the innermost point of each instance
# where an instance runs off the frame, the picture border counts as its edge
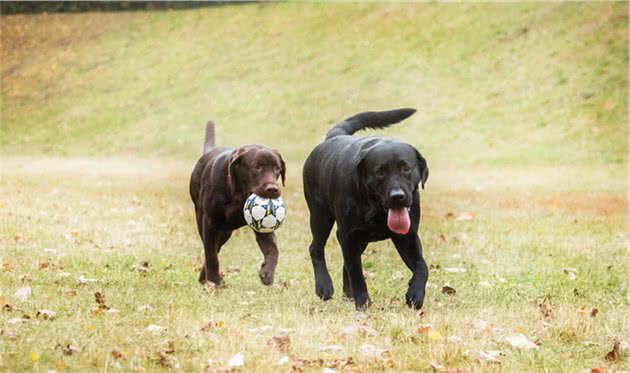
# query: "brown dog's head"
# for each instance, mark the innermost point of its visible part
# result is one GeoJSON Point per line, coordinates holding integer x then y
{"type": "Point", "coordinates": [256, 169]}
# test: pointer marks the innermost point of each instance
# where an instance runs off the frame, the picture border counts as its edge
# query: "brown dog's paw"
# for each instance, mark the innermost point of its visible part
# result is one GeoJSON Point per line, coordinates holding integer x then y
{"type": "Point", "coordinates": [266, 277]}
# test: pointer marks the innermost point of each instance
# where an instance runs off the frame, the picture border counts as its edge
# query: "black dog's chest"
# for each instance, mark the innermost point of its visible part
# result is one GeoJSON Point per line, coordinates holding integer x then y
{"type": "Point", "coordinates": [372, 228]}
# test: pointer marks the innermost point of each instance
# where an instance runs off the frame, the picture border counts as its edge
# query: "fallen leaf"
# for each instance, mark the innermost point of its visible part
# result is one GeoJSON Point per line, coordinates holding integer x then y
{"type": "Point", "coordinates": [34, 357]}
{"type": "Point", "coordinates": [6, 267]}
{"type": "Point", "coordinates": [442, 238]}
{"type": "Point", "coordinates": [169, 348]}
{"type": "Point", "coordinates": [70, 349]}
{"type": "Point", "coordinates": [82, 280]}
{"type": "Point", "coordinates": [424, 328]}
{"type": "Point", "coordinates": [435, 335]}
{"type": "Point", "coordinates": [599, 370]}
{"type": "Point", "coordinates": [212, 325]}
{"type": "Point", "coordinates": [43, 265]}
{"type": "Point", "coordinates": [571, 272]}
{"type": "Point", "coordinates": [23, 294]}
{"type": "Point", "coordinates": [281, 342]}
{"type": "Point", "coordinates": [117, 355]}
{"type": "Point", "coordinates": [464, 216]}
{"type": "Point", "coordinates": [518, 329]}
{"type": "Point", "coordinates": [449, 215]}
{"type": "Point", "coordinates": [491, 356]}
{"type": "Point", "coordinates": [143, 267]}
{"type": "Point", "coordinates": [155, 328]}
{"type": "Point", "coordinates": [18, 238]}
{"type": "Point", "coordinates": [237, 360]}
{"type": "Point", "coordinates": [615, 354]}
{"type": "Point", "coordinates": [46, 314]}
{"type": "Point", "coordinates": [545, 309]}
{"type": "Point", "coordinates": [455, 270]}
{"type": "Point", "coordinates": [594, 312]}
{"type": "Point", "coordinates": [447, 290]}
{"type": "Point", "coordinates": [520, 341]}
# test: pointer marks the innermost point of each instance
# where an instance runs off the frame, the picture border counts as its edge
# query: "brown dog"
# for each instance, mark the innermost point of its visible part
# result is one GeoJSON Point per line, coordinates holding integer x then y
{"type": "Point", "coordinates": [219, 185]}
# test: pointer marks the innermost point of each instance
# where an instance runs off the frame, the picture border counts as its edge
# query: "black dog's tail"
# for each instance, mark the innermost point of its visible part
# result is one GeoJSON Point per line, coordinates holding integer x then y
{"type": "Point", "coordinates": [369, 119]}
{"type": "Point", "coordinates": [208, 143]}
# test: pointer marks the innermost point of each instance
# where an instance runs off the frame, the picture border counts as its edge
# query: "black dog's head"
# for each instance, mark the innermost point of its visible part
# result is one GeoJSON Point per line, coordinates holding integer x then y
{"type": "Point", "coordinates": [390, 171]}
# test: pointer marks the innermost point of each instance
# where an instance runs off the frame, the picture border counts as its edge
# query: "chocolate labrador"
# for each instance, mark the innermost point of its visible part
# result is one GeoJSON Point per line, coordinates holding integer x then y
{"type": "Point", "coordinates": [222, 180]}
{"type": "Point", "coordinates": [369, 186]}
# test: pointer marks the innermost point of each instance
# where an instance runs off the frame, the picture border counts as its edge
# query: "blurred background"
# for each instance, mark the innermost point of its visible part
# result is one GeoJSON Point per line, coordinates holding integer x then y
{"type": "Point", "coordinates": [494, 84]}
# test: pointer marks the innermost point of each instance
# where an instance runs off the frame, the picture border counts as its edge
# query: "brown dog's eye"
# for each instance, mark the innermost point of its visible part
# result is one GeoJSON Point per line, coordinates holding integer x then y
{"type": "Point", "coordinates": [257, 167]}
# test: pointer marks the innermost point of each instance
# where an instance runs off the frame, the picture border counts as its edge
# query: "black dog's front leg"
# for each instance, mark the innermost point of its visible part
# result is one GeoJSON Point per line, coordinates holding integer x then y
{"type": "Point", "coordinates": [267, 244]}
{"type": "Point", "coordinates": [410, 249]}
{"type": "Point", "coordinates": [352, 251]}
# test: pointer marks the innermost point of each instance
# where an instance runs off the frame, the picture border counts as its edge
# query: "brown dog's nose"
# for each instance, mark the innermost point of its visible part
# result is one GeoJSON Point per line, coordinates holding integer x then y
{"type": "Point", "coordinates": [272, 190]}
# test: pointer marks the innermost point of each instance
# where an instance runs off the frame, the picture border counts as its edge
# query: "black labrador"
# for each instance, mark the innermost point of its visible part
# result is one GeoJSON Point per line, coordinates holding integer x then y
{"type": "Point", "coordinates": [369, 186]}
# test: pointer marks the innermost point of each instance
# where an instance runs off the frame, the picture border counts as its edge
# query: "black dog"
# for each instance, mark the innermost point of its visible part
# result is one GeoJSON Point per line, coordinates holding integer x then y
{"type": "Point", "coordinates": [369, 186]}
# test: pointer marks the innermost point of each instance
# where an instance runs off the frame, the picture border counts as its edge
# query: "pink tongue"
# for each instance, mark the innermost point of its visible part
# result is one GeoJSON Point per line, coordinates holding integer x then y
{"type": "Point", "coordinates": [398, 220]}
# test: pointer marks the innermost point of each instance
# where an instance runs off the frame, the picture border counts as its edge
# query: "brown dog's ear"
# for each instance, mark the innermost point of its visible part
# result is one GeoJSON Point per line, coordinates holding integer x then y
{"type": "Point", "coordinates": [283, 167]}
{"type": "Point", "coordinates": [233, 162]}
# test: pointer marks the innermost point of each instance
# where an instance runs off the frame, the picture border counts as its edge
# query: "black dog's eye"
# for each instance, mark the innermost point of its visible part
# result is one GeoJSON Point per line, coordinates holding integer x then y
{"type": "Point", "coordinates": [380, 174]}
{"type": "Point", "coordinates": [406, 168]}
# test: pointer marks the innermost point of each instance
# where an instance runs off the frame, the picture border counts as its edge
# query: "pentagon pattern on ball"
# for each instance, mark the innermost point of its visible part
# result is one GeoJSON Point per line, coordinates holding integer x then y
{"type": "Point", "coordinates": [264, 215]}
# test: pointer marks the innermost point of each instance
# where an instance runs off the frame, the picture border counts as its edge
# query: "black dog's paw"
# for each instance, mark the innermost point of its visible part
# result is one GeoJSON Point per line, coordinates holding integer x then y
{"type": "Point", "coordinates": [414, 298]}
{"type": "Point", "coordinates": [362, 302]}
{"type": "Point", "coordinates": [324, 289]}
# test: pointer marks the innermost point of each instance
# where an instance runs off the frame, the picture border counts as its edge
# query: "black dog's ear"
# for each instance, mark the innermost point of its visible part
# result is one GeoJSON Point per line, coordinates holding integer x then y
{"type": "Point", "coordinates": [423, 168]}
{"type": "Point", "coordinates": [283, 167]}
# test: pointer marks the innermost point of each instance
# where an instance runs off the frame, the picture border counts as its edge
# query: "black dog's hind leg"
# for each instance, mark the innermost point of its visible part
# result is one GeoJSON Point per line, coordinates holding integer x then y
{"type": "Point", "coordinates": [410, 249]}
{"type": "Point", "coordinates": [352, 251]}
{"type": "Point", "coordinates": [321, 224]}
{"type": "Point", "coordinates": [347, 286]}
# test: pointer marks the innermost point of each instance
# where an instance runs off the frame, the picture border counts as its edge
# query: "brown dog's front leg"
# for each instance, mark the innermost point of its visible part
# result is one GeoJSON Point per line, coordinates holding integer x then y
{"type": "Point", "coordinates": [267, 244]}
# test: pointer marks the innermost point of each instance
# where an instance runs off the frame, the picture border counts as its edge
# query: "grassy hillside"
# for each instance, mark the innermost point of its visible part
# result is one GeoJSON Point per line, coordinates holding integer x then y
{"type": "Point", "coordinates": [530, 84]}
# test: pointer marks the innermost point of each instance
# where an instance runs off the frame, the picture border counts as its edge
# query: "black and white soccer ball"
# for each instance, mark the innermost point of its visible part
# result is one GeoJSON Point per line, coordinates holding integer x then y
{"type": "Point", "coordinates": [264, 215]}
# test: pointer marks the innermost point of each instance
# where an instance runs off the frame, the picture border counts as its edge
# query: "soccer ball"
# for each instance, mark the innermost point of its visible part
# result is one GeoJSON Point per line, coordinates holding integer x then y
{"type": "Point", "coordinates": [264, 215]}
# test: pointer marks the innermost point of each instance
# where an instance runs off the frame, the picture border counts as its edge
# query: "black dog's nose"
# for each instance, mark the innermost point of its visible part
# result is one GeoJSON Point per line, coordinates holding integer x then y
{"type": "Point", "coordinates": [396, 195]}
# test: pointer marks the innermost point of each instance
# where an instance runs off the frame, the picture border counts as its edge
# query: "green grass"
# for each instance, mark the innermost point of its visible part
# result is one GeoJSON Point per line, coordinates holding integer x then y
{"type": "Point", "coordinates": [522, 118]}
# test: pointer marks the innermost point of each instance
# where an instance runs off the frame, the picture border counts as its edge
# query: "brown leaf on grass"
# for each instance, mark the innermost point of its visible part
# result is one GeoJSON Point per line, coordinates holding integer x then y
{"type": "Point", "coordinates": [143, 267]}
{"type": "Point", "coordinates": [449, 215]}
{"type": "Point", "coordinates": [169, 348]}
{"type": "Point", "coordinates": [69, 349]}
{"type": "Point", "coordinates": [163, 360]}
{"type": "Point", "coordinates": [281, 342]}
{"type": "Point", "coordinates": [6, 267]}
{"type": "Point", "coordinates": [43, 265]}
{"type": "Point", "coordinates": [100, 301]}
{"type": "Point", "coordinates": [281, 285]}
{"type": "Point", "coordinates": [594, 312]}
{"type": "Point", "coordinates": [447, 290]}
{"type": "Point", "coordinates": [117, 355]}
{"type": "Point", "coordinates": [545, 309]}
{"type": "Point", "coordinates": [424, 328]}
{"type": "Point", "coordinates": [615, 354]}
{"type": "Point", "coordinates": [434, 267]}
{"type": "Point", "coordinates": [599, 370]}
{"type": "Point", "coordinates": [18, 238]}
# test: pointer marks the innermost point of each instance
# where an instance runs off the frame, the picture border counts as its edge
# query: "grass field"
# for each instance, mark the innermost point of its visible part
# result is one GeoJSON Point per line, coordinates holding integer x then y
{"type": "Point", "coordinates": [522, 116]}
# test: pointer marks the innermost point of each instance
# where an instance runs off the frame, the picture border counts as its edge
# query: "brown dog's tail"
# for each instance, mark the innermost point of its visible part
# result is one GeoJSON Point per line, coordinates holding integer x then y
{"type": "Point", "coordinates": [208, 143]}
{"type": "Point", "coordinates": [369, 119]}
